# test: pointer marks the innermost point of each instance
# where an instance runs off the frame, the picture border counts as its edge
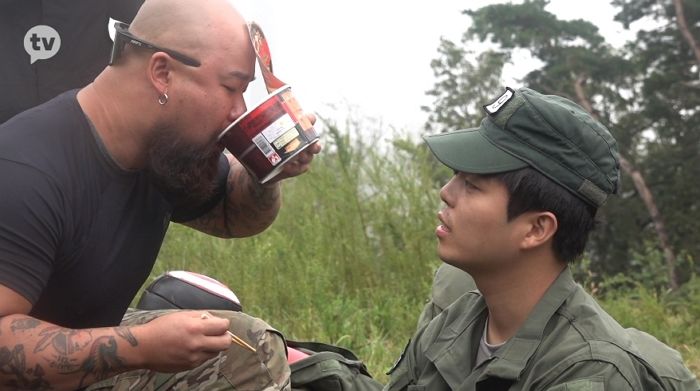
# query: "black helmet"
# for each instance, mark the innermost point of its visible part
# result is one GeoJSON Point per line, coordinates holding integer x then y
{"type": "Point", "coordinates": [186, 290]}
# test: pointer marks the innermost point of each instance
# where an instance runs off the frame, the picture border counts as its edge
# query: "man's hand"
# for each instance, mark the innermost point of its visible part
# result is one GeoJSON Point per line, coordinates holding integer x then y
{"type": "Point", "coordinates": [300, 164]}
{"type": "Point", "coordinates": [182, 340]}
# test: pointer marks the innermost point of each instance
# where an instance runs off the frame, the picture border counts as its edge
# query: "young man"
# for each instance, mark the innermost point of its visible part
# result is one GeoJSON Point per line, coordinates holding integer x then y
{"type": "Point", "coordinates": [92, 179]}
{"type": "Point", "coordinates": [519, 208]}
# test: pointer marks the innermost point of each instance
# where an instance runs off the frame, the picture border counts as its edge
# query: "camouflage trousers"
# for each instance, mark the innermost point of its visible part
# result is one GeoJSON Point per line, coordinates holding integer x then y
{"type": "Point", "coordinates": [235, 369]}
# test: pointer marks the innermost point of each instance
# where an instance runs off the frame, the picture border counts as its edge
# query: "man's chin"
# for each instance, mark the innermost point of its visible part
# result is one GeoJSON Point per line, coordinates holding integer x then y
{"type": "Point", "coordinates": [194, 186]}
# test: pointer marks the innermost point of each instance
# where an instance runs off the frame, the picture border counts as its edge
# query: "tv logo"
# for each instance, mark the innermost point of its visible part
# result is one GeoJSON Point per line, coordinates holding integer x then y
{"type": "Point", "coordinates": [41, 42]}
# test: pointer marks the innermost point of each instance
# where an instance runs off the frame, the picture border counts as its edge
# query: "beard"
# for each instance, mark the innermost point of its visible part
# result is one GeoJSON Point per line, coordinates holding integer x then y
{"type": "Point", "coordinates": [183, 172]}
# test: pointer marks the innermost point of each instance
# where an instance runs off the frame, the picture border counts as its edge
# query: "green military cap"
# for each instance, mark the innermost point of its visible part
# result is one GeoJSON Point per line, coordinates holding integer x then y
{"type": "Point", "coordinates": [549, 133]}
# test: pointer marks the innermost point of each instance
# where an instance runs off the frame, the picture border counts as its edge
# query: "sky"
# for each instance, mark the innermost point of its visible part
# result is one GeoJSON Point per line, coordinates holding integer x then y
{"type": "Point", "coordinates": [372, 58]}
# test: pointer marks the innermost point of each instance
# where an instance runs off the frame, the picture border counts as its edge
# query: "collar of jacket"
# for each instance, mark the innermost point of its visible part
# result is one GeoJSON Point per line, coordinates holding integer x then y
{"type": "Point", "coordinates": [507, 364]}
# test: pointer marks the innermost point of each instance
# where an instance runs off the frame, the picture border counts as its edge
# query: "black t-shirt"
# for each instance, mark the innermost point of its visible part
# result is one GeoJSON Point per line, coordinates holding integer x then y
{"type": "Point", "coordinates": [78, 234]}
{"type": "Point", "coordinates": [84, 47]}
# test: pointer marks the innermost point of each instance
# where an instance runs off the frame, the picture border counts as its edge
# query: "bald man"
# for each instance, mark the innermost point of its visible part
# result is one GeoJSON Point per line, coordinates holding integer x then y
{"type": "Point", "coordinates": [91, 181]}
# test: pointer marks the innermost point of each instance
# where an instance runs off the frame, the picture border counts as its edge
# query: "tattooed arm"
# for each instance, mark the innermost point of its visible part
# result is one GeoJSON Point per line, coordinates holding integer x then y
{"type": "Point", "coordinates": [39, 355]}
{"type": "Point", "coordinates": [248, 207]}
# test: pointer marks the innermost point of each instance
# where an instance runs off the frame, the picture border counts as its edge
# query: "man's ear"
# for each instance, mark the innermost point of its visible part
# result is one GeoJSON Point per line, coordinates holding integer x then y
{"type": "Point", "coordinates": [540, 228]}
{"type": "Point", "coordinates": [159, 72]}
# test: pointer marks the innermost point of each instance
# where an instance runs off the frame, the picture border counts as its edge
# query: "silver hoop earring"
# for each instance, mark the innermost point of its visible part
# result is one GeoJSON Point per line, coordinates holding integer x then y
{"type": "Point", "coordinates": [163, 99]}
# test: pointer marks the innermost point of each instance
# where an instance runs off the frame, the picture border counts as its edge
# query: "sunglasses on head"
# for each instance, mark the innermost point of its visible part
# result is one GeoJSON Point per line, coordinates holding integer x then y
{"type": "Point", "coordinates": [122, 36]}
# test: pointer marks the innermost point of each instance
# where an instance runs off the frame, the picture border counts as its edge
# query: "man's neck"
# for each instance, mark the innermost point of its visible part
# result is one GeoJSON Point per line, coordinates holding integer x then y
{"type": "Point", "coordinates": [513, 293]}
{"type": "Point", "coordinates": [115, 123]}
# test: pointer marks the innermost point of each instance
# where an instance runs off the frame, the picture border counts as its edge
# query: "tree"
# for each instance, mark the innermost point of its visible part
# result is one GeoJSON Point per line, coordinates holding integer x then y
{"type": "Point", "coordinates": [461, 85]}
{"type": "Point", "coordinates": [668, 12]}
{"type": "Point", "coordinates": [668, 100]}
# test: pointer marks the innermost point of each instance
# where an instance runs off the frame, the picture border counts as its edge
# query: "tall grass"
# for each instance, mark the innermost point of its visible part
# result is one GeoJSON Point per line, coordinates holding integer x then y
{"type": "Point", "coordinates": [350, 258]}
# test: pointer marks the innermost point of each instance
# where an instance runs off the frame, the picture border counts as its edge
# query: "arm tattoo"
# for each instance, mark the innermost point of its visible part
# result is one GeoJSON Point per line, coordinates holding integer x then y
{"type": "Point", "coordinates": [63, 344]}
{"type": "Point", "coordinates": [246, 204]}
{"type": "Point", "coordinates": [125, 332]}
{"type": "Point", "coordinates": [13, 362]}
{"type": "Point", "coordinates": [254, 215]}
{"type": "Point", "coordinates": [266, 197]}
{"type": "Point", "coordinates": [102, 360]}
{"type": "Point", "coordinates": [24, 324]}
{"type": "Point", "coordinates": [60, 348]}
{"type": "Point", "coordinates": [211, 222]}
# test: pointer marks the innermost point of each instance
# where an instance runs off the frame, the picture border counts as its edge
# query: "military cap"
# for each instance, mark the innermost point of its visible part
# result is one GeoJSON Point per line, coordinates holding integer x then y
{"type": "Point", "coordinates": [549, 133]}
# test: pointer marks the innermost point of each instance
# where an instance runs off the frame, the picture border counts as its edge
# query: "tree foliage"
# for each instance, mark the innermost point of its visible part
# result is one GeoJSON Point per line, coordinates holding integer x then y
{"type": "Point", "coordinates": [668, 102]}
{"type": "Point", "coordinates": [462, 85]}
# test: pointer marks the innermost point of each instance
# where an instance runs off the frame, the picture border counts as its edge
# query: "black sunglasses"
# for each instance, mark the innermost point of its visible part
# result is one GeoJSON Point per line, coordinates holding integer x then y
{"type": "Point", "coordinates": [122, 36]}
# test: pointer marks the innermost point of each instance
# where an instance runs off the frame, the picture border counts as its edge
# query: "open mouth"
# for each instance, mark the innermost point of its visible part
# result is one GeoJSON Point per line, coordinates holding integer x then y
{"type": "Point", "coordinates": [442, 229]}
{"type": "Point", "coordinates": [441, 217]}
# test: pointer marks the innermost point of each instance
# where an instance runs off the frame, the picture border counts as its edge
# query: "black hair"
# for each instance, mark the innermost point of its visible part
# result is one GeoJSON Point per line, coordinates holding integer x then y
{"type": "Point", "coordinates": [529, 190]}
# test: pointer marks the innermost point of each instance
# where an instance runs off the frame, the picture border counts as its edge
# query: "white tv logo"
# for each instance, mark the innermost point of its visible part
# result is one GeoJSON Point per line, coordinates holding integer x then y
{"type": "Point", "coordinates": [41, 42]}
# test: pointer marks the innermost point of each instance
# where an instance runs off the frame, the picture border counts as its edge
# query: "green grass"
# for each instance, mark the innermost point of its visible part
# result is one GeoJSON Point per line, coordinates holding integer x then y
{"type": "Point", "coordinates": [350, 258]}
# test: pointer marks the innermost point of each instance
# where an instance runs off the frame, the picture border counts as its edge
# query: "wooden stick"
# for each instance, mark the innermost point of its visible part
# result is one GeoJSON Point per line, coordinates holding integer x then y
{"type": "Point", "coordinates": [236, 339]}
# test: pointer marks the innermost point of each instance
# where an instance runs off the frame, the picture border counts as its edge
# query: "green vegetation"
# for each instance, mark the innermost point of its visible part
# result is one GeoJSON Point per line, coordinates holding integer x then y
{"type": "Point", "coordinates": [349, 261]}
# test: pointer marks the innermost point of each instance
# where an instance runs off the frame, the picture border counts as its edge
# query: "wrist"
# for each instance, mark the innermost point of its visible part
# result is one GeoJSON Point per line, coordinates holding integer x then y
{"type": "Point", "coordinates": [136, 350]}
{"type": "Point", "coordinates": [272, 185]}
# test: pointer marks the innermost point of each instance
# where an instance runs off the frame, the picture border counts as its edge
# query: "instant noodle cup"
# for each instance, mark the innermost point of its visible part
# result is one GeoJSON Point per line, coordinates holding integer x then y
{"type": "Point", "coordinates": [268, 136]}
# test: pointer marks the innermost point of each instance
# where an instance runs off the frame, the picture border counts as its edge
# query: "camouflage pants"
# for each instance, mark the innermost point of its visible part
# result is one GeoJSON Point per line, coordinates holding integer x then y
{"type": "Point", "coordinates": [234, 369]}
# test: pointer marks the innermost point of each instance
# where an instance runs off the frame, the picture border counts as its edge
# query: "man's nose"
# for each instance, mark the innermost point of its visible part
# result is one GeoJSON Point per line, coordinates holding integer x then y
{"type": "Point", "coordinates": [237, 110]}
{"type": "Point", "coordinates": [445, 191]}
